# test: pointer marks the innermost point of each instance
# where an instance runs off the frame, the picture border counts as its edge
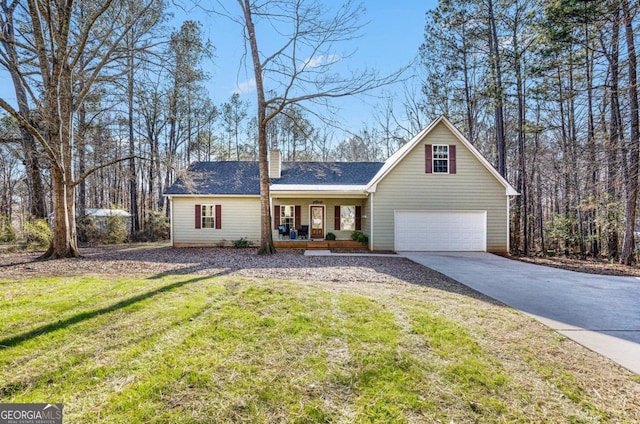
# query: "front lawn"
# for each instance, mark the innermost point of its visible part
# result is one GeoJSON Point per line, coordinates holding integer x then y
{"type": "Point", "coordinates": [226, 348]}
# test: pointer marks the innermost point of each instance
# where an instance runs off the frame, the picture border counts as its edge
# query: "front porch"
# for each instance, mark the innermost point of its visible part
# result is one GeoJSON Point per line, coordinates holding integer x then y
{"type": "Point", "coordinates": [335, 216]}
{"type": "Point", "coordinates": [319, 244]}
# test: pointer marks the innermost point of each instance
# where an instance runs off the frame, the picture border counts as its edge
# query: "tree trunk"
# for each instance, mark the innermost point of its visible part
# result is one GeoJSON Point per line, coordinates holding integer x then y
{"type": "Point", "coordinates": [62, 245]}
{"type": "Point", "coordinates": [37, 202]}
{"type": "Point", "coordinates": [522, 203]}
{"type": "Point", "coordinates": [133, 178]}
{"type": "Point", "coordinates": [628, 246]}
{"type": "Point", "coordinates": [574, 191]}
{"type": "Point", "coordinates": [594, 248]}
{"type": "Point", "coordinates": [35, 186]}
{"type": "Point", "coordinates": [614, 144]}
{"type": "Point", "coordinates": [468, 96]}
{"type": "Point", "coordinates": [64, 242]}
{"type": "Point", "coordinates": [494, 48]}
{"type": "Point", "coordinates": [266, 236]}
{"type": "Point", "coordinates": [82, 159]}
{"type": "Point", "coordinates": [59, 118]}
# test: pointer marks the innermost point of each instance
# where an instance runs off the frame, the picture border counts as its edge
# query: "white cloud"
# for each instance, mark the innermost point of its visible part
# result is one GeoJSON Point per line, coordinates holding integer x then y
{"type": "Point", "coordinates": [333, 58]}
{"type": "Point", "coordinates": [245, 87]}
{"type": "Point", "coordinates": [314, 62]}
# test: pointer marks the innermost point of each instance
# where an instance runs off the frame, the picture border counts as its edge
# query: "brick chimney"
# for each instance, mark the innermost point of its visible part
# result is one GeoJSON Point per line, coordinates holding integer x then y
{"type": "Point", "coordinates": [275, 164]}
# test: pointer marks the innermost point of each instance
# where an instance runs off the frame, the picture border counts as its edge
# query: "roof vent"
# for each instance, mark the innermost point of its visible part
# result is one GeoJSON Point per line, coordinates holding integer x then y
{"type": "Point", "coordinates": [275, 164]}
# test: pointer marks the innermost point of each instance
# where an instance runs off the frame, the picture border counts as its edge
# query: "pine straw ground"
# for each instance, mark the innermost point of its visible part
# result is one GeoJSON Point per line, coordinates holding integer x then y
{"type": "Point", "coordinates": [284, 338]}
{"type": "Point", "coordinates": [589, 265]}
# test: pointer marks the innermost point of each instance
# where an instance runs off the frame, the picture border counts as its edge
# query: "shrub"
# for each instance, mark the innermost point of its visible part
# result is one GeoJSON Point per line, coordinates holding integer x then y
{"type": "Point", "coordinates": [359, 236]}
{"type": "Point", "coordinates": [113, 231]}
{"type": "Point", "coordinates": [88, 231]}
{"type": "Point", "coordinates": [37, 234]}
{"type": "Point", "coordinates": [117, 231]}
{"type": "Point", "coordinates": [7, 233]}
{"type": "Point", "coordinates": [562, 233]}
{"type": "Point", "coordinates": [156, 227]}
{"type": "Point", "coordinates": [330, 236]}
{"type": "Point", "coordinates": [243, 243]}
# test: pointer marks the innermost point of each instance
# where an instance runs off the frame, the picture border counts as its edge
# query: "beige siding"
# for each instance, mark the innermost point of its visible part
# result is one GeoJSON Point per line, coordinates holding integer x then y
{"type": "Point", "coordinates": [240, 218]}
{"type": "Point", "coordinates": [408, 187]}
{"type": "Point", "coordinates": [329, 218]}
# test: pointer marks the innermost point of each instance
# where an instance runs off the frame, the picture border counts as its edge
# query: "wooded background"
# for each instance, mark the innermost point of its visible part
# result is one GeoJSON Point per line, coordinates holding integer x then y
{"type": "Point", "coordinates": [546, 90]}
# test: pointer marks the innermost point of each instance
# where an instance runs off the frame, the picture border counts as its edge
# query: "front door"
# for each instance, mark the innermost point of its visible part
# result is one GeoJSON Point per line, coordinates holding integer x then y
{"type": "Point", "coordinates": [317, 222]}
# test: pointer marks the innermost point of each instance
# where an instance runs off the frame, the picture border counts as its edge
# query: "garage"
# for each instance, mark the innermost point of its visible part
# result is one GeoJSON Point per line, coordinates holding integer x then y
{"type": "Point", "coordinates": [462, 231]}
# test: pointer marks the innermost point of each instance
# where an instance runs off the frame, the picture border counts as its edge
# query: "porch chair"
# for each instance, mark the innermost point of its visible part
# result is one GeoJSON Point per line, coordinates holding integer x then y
{"type": "Point", "coordinates": [283, 230]}
{"type": "Point", "coordinates": [303, 231]}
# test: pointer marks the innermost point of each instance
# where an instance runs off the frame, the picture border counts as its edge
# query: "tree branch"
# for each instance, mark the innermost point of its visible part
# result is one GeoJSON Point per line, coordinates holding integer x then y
{"type": "Point", "coordinates": [26, 124]}
{"type": "Point", "coordinates": [105, 165]}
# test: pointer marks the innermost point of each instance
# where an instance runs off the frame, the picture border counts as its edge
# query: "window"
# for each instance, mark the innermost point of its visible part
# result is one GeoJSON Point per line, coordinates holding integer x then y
{"type": "Point", "coordinates": [208, 216]}
{"type": "Point", "coordinates": [288, 215]}
{"type": "Point", "coordinates": [440, 159]}
{"type": "Point", "coordinates": [347, 218]}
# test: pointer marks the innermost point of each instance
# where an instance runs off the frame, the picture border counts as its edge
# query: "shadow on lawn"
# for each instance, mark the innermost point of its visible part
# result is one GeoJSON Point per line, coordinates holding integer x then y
{"type": "Point", "coordinates": [214, 262]}
{"type": "Point", "coordinates": [39, 331]}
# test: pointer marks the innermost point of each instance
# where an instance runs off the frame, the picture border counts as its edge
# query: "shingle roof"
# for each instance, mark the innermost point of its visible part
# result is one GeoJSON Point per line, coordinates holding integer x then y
{"type": "Point", "coordinates": [232, 177]}
{"type": "Point", "coordinates": [327, 173]}
{"type": "Point", "coordinates": [243, 178]}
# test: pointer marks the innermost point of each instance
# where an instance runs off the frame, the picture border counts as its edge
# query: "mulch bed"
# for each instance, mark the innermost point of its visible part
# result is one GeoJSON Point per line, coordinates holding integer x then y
{"type": "Point", "coordinates": [589, 265]}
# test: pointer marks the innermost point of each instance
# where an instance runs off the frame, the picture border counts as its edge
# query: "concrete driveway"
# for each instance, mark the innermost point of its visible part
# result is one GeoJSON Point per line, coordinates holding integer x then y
{"type": "Point", "coordinates": [599, 312]}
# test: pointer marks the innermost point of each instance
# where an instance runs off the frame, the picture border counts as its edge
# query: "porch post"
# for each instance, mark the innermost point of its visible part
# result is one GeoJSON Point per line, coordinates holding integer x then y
{"type": "Point", "coordinates": [371, 239]}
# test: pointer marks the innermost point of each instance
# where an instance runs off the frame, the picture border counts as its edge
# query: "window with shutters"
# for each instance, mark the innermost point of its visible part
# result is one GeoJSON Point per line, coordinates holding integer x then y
{"type": "Point", "coordinates": [288, 215]}
{"type": "Point", "coordinates": [440, 159]}
{"type": "Point", "coordinates": [347, 218]}
{"type": "Point", "coordinates": [208, 216]}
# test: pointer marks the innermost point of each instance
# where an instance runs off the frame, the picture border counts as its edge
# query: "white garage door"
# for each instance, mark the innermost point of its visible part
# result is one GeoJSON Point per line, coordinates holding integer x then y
{"type": "Point", "coordinates": [464, 231]}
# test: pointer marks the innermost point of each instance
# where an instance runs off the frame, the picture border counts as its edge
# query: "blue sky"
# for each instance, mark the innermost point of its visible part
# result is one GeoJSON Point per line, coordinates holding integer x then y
{"type": "Point", "coordinates": [390, 40]}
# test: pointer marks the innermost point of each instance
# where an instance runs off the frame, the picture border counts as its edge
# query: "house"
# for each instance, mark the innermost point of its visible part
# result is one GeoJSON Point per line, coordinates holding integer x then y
{"type": "Point", "coordinates": [436, 193]}
{"type": "Point", "coordinates": [100, 216]}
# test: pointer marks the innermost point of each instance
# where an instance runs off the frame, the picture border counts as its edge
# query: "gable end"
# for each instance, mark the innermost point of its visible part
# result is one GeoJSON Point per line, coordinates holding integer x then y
{"type": "Point", "coordinates": [397, 157]}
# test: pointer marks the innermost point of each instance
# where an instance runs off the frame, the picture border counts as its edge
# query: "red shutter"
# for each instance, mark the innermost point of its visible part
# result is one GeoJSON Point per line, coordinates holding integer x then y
{"type": "Point", "coordinates": [276, 216]}
{"type": "Point", "coordinates": [428, 159]}
{"type": "Point", "coordinates": [452, 159]}
{"type": "Point", "coordinates": [358, 218]}
{"type": "Point", "coordinates": [218, 217]}
{"type": "Point", "coordinates": [298, 216]}
{"type": "Point", "coordinates": [336, 220]}
{"type": "Point", "coordinates": [198, 217]}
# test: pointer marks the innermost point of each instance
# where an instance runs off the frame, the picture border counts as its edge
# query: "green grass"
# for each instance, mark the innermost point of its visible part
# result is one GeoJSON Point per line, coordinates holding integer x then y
{"type": "Point", "coordinates": [200, 349]}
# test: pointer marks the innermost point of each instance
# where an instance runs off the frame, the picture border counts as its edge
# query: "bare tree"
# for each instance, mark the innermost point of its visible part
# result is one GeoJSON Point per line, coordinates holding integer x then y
{"type": "Point", "coordinates": [495, 58]}
{"type": "Point", "coordinates": [187, 50]}
{"type": "Point", "coordinates": [233, 113]}
{"type": "Point", "coordinates": [628, 245]}
{"type": "Point", "coordinates": [138, 42]}
{"type": "Point", "coordinates": [300, 70]}
{"type": "Point", "coordinates": [9, 60]}
{"type": "Point", "coordinates": [63, 44]}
